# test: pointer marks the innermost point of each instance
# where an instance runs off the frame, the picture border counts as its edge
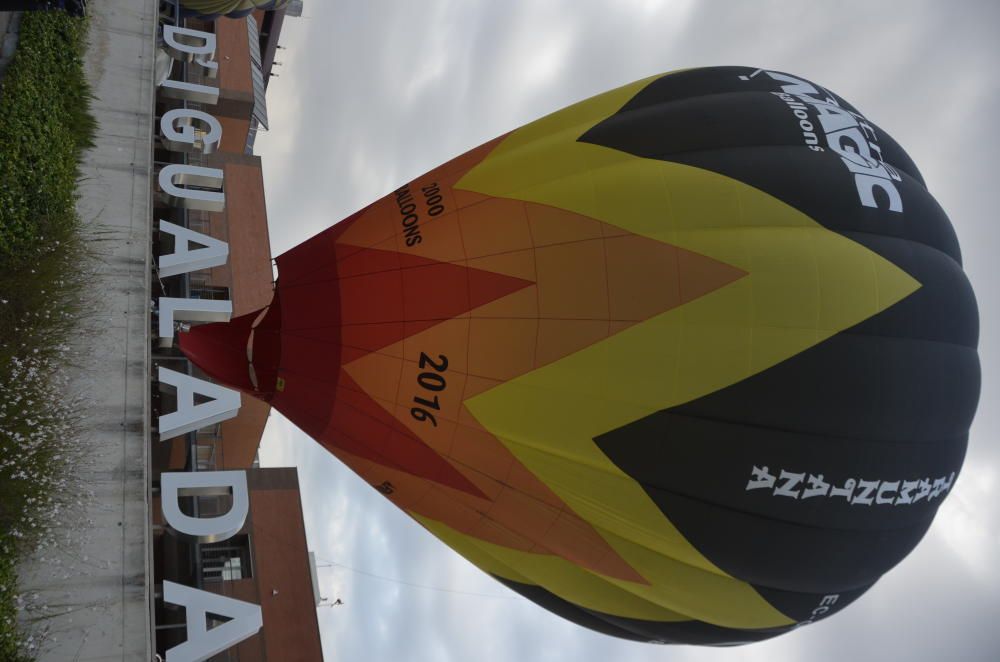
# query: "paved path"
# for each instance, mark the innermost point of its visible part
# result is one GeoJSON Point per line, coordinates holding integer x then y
{"type": "Point", "coordinates": [5, 17]}
{"type": "Point", "coordinates": [100, 581]}
{"type": "Point", "coordinates": [9, 23]}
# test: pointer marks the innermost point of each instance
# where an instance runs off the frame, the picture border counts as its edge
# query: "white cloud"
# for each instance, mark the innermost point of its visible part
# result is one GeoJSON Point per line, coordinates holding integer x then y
{"type": "Point", "coordinates": [966, 521]}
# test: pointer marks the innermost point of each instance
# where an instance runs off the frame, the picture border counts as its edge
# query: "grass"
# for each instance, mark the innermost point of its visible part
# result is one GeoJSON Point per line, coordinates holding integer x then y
{"type": "Point", "coordinates": [45, 126]}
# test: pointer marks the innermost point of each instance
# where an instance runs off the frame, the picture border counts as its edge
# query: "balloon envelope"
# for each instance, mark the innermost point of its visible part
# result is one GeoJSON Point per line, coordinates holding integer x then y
{"type": "Point", "coordinates": [213, 9]}
{"type": "Point", "coordinates": [690, 361]}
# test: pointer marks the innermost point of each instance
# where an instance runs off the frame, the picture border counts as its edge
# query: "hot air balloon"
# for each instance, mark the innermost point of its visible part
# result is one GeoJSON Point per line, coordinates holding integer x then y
{"type": "Point", "coordinates": [213, 9]}
{"type": "Point", "coordinates": [691, 361]}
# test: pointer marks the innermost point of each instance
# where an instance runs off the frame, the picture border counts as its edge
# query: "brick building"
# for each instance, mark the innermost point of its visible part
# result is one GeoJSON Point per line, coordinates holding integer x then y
{"type": "Point", "coordinates": [267, 562]}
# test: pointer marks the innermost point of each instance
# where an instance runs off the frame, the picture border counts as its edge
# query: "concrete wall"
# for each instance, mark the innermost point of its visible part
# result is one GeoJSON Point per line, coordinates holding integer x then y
{"type": "Point", "coordinates": [241, 435]}
{"type": "Point", "coordinates": [234, 68]}
{"type": "Point", "coordinates": [249, 245]}
{"type": "Point", "coordinates": [234, 133]}
{"type": "Point", "coordinates": [281, 582]}
{"type": "Point", "coordinates": [291, 626]}
{"type": "Point", "coordinates": [99, 582]}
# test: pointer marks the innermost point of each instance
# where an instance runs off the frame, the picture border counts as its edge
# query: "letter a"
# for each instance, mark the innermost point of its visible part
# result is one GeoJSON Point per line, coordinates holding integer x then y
{"type": "Point", "coordinates": [202, 642]}
{"type": "Point", "coordinates": [183, 259]}
{"type": "Point", "coordinates": [224, 405]}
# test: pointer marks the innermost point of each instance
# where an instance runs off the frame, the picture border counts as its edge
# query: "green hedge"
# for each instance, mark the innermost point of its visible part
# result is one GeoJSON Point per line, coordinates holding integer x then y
{"type": "Point", "coordinates": [44, 127]}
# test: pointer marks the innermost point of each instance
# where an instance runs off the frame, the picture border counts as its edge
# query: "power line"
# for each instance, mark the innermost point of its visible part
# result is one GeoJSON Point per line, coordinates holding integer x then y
{"type": "Point", "coordinates": [282, 542]}
{"type": "Point", "coordinates": [412, 584]}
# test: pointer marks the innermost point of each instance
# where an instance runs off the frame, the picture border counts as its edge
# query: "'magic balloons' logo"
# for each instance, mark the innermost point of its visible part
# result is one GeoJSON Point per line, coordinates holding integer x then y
{"type": "Point", "coordinates": [847, 133]}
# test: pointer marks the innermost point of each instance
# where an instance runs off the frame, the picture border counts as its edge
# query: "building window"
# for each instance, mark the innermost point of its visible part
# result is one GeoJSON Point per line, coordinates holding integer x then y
{"type": "Point", "coordinates": [200, 279]}
{"type": "Point", "coordinates": [226, 561]}
{"type": "Point", "coordinates": [210, 292]}
{"type": "Point", "coordinates": [205, 456]}
{"type": "Point", "coordinates": [210, 432]}
{"type": "Point", "coordinates": [231, 569]}
{"type": "Point", "coordinates": [199, 221]}
{"type": "Point", "coordinates": [257, 74]}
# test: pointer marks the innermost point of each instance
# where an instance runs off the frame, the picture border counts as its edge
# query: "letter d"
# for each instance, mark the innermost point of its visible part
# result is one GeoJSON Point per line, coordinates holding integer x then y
{"type": "Point", "coordinates": [205, 483]}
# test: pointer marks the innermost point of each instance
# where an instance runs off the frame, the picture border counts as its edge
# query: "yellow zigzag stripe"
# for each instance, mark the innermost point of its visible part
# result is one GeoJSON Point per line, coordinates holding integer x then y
{"type": "Point", "coordinates": [677, 592]}
{"type": "Point", "coordinates": [805, 284]}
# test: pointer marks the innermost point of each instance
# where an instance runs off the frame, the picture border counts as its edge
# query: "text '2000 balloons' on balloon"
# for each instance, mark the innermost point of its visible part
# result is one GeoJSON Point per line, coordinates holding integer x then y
{"type": "Point", "coordinates": [690, 361]}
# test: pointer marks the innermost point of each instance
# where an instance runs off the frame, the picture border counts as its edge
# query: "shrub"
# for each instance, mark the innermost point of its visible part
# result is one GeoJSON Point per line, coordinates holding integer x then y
{"type": "Point", "coordinates": [45, 126]}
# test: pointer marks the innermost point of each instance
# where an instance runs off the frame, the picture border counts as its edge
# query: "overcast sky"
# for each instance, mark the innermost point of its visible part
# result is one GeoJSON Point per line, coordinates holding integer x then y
{"type": "Point", "coordinates": [371, 94]}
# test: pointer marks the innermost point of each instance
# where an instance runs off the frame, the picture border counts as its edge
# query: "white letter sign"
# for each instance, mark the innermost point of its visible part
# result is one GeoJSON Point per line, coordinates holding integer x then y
{"type": "Point", "coordinates": [183, 259]}
{"type": "Point", "coordinates": [179, 135]}
{"type": "Point", "coordinates": [175, 176]}
{"type": "Point", "coordinates": [194, 310]}
{"type": "Point", "coordinates": [205, 483]}
{"type": "Point", "coordinates": [224, 405]}
{"type": "Point", "coordinates": [202, 642]}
